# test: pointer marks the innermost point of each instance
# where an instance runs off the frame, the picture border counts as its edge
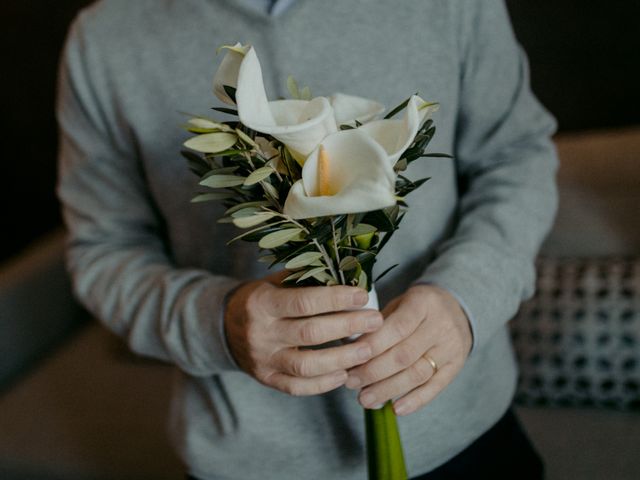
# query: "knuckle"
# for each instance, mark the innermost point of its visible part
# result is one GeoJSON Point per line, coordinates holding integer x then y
{"type": "Point", "coordinates": [300, 304]}
{"type": "Point", "coordinates": [420, 372]}
{"type": "Point", "coordinates": [404, 355]}
{"type": "Point", "coordinates": [257, 300]}
{"type": "Point", "coordinates": [370, 373]}
{"type": "Point", "coordinates": [416, 376]}
{"type": "Point", "coordinates": [339, 299]}
{"type": "Point", "coordinates": [309, 333]}
{"type": "Point", "coordinates": [252, 334]}
{"type": "Point", "coordinates": [299, 366]}
{"type": "Point", "coordinates": [363, 321]}
{"type": "Point", "coordinates": [402, 327]}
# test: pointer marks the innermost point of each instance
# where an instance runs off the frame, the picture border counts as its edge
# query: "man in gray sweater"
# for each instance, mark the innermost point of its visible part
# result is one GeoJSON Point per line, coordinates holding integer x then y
{"type": "Point", "coordinates": [248, 402]}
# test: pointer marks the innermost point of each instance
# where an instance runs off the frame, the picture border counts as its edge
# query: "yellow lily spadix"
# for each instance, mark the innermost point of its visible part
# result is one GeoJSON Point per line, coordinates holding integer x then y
{"type": "Point", "coordinates": [349, 173]}
{"type": "Point", "coordinates": [324, 186]}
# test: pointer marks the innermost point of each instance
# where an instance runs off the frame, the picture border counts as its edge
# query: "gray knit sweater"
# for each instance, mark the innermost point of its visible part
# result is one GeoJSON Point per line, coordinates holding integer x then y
{"type": "Point", "coordinates": [155, 268]}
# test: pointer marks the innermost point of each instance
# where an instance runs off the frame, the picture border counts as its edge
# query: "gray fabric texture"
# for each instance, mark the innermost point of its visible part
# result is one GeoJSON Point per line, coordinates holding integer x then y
{"type": "Point", "coordinates": [155, 268]}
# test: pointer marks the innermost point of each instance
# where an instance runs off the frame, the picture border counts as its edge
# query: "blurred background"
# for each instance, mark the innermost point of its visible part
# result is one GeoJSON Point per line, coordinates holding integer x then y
{"type": "Point", "coordinates": [577, 340]}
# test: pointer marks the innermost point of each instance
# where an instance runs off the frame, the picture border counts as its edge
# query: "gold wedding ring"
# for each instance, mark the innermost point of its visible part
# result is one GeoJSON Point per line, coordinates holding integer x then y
{"type": "Point", "coordinates": [432, 362]}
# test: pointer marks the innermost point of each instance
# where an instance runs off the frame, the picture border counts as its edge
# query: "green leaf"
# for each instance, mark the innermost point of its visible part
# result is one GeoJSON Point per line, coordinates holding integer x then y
{"type": "Point", "coordinates": [311, 273]}
{"type": "Point", "coordinates": [380, 219]}
{"type": "Point", "coordinates": [322, 231]}
{"type": "Point", "coordinates": [211, 142]}
{"type": "Point", "coordinates": [266, 258]}
{"type": "Point", "coordinates": [292, 86]}
{"type": "Point", "coordinates": [258, 175]}
{"type": "Point", "coordinates": [246, 212]}
{"type": "Point", "coordinates": [229, 111]}
{"type": "Point", "coordinates": [305, 93]}
{"type": "Point", "coordinates": [364, 241]}
{"type": "Point", "coordinates": [406, 188]}
{"type": "Point", "coordinates": [207, 197]}
{"type": "Point", "coordinates": [234, 152]}
{"type": "Point", "coordinates": [437, 155]}
{"type": "Point", "coordinates": [197, 164]}
{"type": "Point", "coordinates": [222, 181]}
{"type": "Point", "coordinates": [362, 229]}
{"type": "Point", "coordinates": [362, 280]}
{"type": "Point", "coordinates": [240, 206]}
{"type": "Point", "coordinates": [399, 108]}
{"type": "Point", "coordinates": [256, 234]}
{"type": "Point", "coordinates": [294, 276]}
{"type": "Point", "coordinates": [302, 260]}
{"type": "Point", "coordinates": [348, 263]}
{"type": "Point", "coordinates": [204, 125]}
{"type": "Point", "coordinates": [401, 165]}
{"type": "Point", "coordinates": [219, 171]}
{"type": "Point", "coordinates": [230, 91]}
{"type": "Point", "coordinates": [324, 277]}
{"type": "Point", "coordinates": [427, 105]}
{"type": "Point", "coordinates": [252, 220]}
{"type": "Point", "coordinates": [279, 237]}
{"type": "Point", "coordinates": [385, 272]}
{"type": "Point", "coordinates": [246, 138]}
{"type": "Point", "coordinates": [270, 190]}
{"type": "Point", "coordinates": [257, 231]}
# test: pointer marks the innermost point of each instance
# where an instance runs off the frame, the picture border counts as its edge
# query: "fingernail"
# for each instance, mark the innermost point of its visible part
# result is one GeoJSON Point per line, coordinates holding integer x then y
{"type": "Point", "coordinates": [353, 382]}
{"type": "Point", "coordinates": [367, 399]}
{"type": "Point", "coordinates": [364, 352]}
{"type": "Point", "coordinates": [401, 408]}
{"type": "Point", "coordinates": [360, 298]}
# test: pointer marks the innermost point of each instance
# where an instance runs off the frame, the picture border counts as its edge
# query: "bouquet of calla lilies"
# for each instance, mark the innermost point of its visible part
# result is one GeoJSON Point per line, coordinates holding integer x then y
{"type": "Point", "coordinates": [317, 183]}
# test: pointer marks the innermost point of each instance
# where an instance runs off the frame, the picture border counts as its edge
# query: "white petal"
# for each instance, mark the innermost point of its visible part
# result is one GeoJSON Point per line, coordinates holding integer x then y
{"type": "Point", "coordinates": [227, 73]}
{"type": "Point", "coordinates": [253, 106]}
{"type": "Point", "coordinates": [395, 136]}
{"type": "Point", "coordinates": [348, 108]}
{"type": "Point", "coordinates": [301, 125]}
{"type": "Point", "coordinates": [359, 173]}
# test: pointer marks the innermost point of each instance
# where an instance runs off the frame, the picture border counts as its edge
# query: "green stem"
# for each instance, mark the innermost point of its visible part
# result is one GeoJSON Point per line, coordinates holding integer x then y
{"type": "Point", "coordinates": [327, 259]}
{"type": "Point", "coordinates": [335, 249]}
{"type": "Point", "coordinates": [384, 448]}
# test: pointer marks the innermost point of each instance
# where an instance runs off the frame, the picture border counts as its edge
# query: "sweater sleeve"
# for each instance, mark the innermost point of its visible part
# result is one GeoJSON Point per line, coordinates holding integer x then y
{"type": "Point", "coordinates": [506, 165]}
{"type": "Point", "coordinates": [117, 255]}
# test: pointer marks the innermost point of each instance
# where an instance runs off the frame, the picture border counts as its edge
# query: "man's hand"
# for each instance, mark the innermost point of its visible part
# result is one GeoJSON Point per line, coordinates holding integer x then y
{"type": "Point", "coordinates": [425, 322]}
{"type": "Point", "coordinates": [268, 328]}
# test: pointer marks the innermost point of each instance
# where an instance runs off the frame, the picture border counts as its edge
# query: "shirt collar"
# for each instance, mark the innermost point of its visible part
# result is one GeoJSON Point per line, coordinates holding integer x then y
{"type": "Point", "coordinates": [272, 7]}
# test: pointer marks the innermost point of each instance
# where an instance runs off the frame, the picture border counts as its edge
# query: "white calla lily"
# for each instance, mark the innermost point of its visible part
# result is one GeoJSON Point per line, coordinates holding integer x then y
{"type": "Point", "coordinates": [395, 136]}
{"type": "Point", "coordinates": [227, 73]}
{"type": "Point", "coordinates": [347, 109]}
{"type": "Point", "coordinates": [348, 173]}
{"type": "Point", "coordinates": [299, 124]}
